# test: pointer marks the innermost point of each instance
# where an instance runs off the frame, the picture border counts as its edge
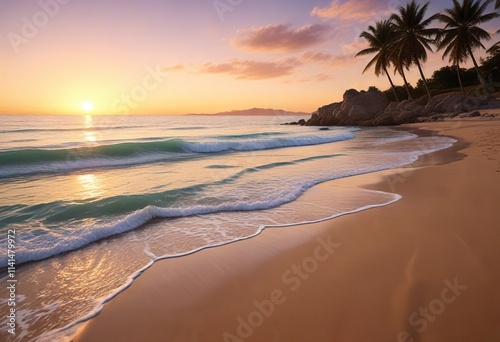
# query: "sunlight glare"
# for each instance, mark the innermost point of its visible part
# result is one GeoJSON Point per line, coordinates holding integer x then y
{"type": "Point", "coordinates": [87, 106]}
{"type": "Point", "coordinates": [90, 137]}
{"type": "Point", "coordinates": [91, 186]}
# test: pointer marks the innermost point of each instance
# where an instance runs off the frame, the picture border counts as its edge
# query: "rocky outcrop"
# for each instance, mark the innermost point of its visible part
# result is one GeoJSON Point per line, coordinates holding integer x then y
{"type": "Point", "coordinates": [372, 108]}
{"type": "Point", "coordinates": [356, 108]}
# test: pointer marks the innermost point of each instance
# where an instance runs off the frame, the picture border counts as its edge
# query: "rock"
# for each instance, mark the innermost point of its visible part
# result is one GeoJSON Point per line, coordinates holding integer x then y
{"type": "Point", "coordinates": [328, 109]}
{"type": "Point", "coordinates": [422, 119]}
{"type": "Point", "coordinates": [459, 108]}
{"type": "Point", "coordinates": [301, 122]}
{"type": "Point", "coordinates": [385, 119]}
{"type": "Point", "coordinates": [474, 114]}
{"type": "Point", "coordinates": [324, 129]}
{"type": "Point", "coordinates": [357, 108]}
{"type": "Point", "coordinates": [314, 120]}
{"type": "Point", "coordinates": [372, 108]}
{"type": "Point", "coordinates": [437, 117]}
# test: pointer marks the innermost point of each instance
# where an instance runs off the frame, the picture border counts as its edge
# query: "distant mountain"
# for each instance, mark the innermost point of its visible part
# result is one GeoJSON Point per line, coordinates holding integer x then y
{"type": "Point", "coordinates": [259, 112]}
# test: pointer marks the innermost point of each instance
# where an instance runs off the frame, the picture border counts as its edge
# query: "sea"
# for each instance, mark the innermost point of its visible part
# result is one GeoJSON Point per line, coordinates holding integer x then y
{"type": "Point", "coordinates": [89, 202]}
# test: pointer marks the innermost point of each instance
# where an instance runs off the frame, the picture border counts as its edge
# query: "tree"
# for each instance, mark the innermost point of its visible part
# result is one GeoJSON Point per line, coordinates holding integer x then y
{"type": "Point", "coordinates": [490, 65]}
{"type": "Point", "coordinates": [400, 68]}
{"type": "Point", "coordinates": [445, 78]}
{"type": "Point", "coordinates": [413, 37]}
{"type": "Point", "coordinates": [462, 34]}
{"type": "Point", "coordinates": [454, 47]}
{"type": "Point", "coordinates": [379, 38]}
{"type": "Point", "coordinates": [497, 6]}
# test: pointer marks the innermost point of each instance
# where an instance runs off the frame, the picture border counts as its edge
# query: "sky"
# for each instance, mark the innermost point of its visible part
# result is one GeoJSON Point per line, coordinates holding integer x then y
{"type": "Point", "coordinates": [193, 56]}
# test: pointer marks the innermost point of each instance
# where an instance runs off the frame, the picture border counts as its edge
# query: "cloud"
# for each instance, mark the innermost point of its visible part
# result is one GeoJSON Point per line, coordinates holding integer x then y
{"type": "Point", "coordinates": [252, 70]}
{"type": "Point", "coordinates": [178, 67]}
{"type": "Point", "coordinates": [342, 59]}
{"type": "Point", "coordinates": [280, 37]}
{"type": "Point", "coordinates": [310, 56]}
{"type": "Point", "coordinates": [317, 78]}
{"type": "Point", "coordinates": [354, 47]}
{"type": "Point", "coordinates": [327, 59]}
{"type": "Point", "coordinates": [364, 10]}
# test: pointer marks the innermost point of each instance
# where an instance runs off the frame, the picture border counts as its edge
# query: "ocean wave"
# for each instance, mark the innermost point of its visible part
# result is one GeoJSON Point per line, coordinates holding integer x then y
{"type": "Point", "coordinates": [34, 161]}
{"type": "Point", "coordinates": [60, 211]}
{"type": "Point", "coordinates": [54, 242]}
{"type": "Point", "coordinates": [264, 143]}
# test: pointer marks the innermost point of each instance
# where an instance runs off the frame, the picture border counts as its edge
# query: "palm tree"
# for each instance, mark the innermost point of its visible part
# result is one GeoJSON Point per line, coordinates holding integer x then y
{"type": "Point", "coordinates": [400, 68]}
{"type": "Point", "coordinates": [413, 37]}
{"type": "Point", "coordinates": [461, 34]}
{"type": "Point", "coordinates": [497, 6]}
{"type": "Point", "coordinates": [455, 49]}
{"type": "Point", "coordinates": [379, 37]}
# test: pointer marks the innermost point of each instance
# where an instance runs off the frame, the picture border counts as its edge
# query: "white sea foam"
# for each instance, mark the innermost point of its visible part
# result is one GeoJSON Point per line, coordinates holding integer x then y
{"type": "Point", "coordinates": [266, 143]}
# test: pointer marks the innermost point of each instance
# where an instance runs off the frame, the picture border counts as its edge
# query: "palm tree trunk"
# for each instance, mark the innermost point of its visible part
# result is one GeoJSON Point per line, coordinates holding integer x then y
{"type": "Point", "coordinates": [481, 79]}
{"type": "Point", "coordinates": [401, 71]}
{"type": "Point", "coordinates": [460, 79]}
{"type": "Point", "coordinates": [392, 84]}
{"type": "Point", "coordinates": [423, 79]}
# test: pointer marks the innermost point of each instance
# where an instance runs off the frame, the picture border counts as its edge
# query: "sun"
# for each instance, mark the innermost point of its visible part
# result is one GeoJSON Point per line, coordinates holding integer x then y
{"type": "Point", "coordinates": [87, 106]}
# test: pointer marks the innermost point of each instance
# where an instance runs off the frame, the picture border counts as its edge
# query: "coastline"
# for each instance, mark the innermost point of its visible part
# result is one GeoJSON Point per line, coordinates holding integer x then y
{"type": "Point", "coordinates": [369, 272]}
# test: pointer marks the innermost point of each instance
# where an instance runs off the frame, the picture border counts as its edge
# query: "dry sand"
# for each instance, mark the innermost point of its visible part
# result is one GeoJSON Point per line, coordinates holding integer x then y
{"type": "Point", "coordinates": [423, 269]}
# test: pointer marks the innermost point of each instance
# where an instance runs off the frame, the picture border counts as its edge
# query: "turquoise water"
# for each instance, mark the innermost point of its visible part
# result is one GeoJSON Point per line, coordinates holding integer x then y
{"type": "Point", "coordinates": [115, 194]}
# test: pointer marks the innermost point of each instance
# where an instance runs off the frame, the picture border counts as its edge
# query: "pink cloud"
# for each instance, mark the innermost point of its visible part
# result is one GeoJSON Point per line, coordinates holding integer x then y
{"type": "Point", "coordinates": [280, 37]}
{"type": "Point", "coordinates": [364, 10]}
{"type": "Point", "coordinates": [354, 47]}
{"type": "Point", "coordinates": [310, 56]}
{"type": "Point", "coordinates": [178, 67]}
{"type": "Point", "coordinates": [327, 58]}
{"type": "Point", "coordinates": [339, 60]}
{"type": "Point", "coordinates": [317, 78]}
{"type": "Point", "coordinates": [252, 70]}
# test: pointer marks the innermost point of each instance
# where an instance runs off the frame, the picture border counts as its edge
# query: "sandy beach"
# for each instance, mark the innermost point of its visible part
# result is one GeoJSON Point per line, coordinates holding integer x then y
{"type": "Point", "coordinates": [422, 269]}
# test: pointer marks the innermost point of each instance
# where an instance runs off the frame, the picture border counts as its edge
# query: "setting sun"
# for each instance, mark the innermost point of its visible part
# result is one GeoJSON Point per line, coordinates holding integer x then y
{"type": "Point", "coordinates": [87, 106]}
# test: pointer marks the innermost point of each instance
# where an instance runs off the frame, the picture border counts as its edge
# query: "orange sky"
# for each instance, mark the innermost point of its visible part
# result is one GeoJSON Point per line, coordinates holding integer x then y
{"type": "Point", "coordinates": [173, 57]}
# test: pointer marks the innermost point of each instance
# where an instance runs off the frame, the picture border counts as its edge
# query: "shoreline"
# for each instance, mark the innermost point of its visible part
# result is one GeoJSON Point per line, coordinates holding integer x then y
{"type": "Point", "coordinates": [206, 293]}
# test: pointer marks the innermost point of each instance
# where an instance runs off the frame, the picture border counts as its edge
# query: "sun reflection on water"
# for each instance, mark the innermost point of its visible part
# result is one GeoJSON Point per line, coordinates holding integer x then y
{"type": "Point", "coordinates": [88, 121]}
{"type": "Point", "coordinates": [91, 185]}
{"type": "Point", "coordinates": [89, 136]}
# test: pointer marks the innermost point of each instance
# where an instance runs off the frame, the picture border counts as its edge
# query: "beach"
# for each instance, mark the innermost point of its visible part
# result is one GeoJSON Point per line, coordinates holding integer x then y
{"type": "Point", "coordinates": [421, 269]}
{"type": "Point", "coordinates": [250, 171]}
